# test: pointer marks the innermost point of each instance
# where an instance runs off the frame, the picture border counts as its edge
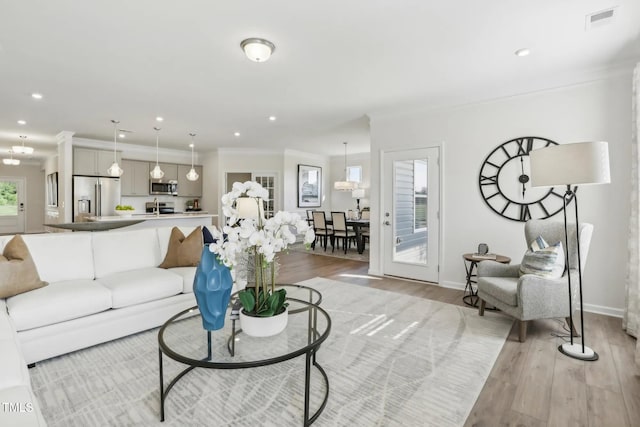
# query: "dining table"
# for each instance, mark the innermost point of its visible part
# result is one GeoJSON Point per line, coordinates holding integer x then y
{"type": "Point", "coordinates": [357, 225]}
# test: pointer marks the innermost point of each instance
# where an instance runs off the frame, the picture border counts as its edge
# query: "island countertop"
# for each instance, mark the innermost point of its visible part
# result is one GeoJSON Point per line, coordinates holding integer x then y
{"type": "Point", "coordinates": [147, 217]}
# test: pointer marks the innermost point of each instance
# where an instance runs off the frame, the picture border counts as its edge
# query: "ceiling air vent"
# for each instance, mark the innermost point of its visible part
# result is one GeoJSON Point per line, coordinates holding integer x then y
{"type": "Point", "coordinates": [599, 19]}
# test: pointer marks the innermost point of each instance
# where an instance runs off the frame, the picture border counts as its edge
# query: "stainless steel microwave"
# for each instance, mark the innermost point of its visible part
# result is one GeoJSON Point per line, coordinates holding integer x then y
{"type": "Point", "coordinates": [169, 188]}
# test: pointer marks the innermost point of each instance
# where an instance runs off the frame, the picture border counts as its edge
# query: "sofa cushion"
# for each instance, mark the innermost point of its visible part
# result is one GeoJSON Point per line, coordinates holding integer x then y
{"type": "Point", "coordinates": [18, 273]}
{"type": "Point", "coordinates": [503, 288]}
{"type": "Point", "coordinates": [22, 408]}
{"type": "Point", "coordinates": [183, 251]}
{"type": "Point", "coordinates": [143, 285]}
{"type": "Point", "coordinates": [62, 256]}
{"type": "Point", "coordinates": [118, 251]}
{"type": "Point", "coordinates": [58, 302]}
{"type": "Point", "coordinates": [164, 234]}
{"type": "Point", "coordinates": [187, 274]}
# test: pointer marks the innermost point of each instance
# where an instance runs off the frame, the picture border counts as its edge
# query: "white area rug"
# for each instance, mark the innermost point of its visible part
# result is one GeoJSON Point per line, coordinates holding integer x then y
{"type": "Point", "coordinates": [392, 360]}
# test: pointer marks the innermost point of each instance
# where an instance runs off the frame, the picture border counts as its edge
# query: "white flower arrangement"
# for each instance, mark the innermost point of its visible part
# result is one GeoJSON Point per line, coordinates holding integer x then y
{"type": "Point", "coordinates": [267, 237]}
{"type": "Point", "coordinates": [263, 238]}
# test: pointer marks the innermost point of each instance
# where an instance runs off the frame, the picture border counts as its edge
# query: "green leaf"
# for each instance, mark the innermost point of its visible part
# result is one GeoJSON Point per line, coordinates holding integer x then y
{"type": "Point", "coordinates": [267, 313]}
{"type": "Point", "coordinates": [248, 300]}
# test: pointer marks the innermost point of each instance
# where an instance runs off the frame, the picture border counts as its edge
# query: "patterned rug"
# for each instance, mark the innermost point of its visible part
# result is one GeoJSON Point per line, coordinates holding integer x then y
{"type": "Point", "coordinates": [392, 360]}
{"type": "Point", "coordinates": [351, 254]}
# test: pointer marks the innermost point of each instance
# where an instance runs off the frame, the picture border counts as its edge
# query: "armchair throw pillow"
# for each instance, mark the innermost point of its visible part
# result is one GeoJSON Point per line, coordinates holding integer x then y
{"type": "Point", "coordinates": [183, 251]}
{"type": "Point", "coordinates": [18, 273]}
{"type": "Point", "coordinates": [543, 260]}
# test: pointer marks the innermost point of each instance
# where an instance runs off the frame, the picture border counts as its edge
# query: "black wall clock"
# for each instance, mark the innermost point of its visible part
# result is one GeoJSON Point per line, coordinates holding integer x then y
{"type": "Point", "coordinates": [505, 184]}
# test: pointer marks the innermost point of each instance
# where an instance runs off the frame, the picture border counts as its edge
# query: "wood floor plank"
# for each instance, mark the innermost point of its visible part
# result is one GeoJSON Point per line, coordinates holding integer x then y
{"type": "Point", "coordinates": [493, 402]}
{"type": "Point", "coordinates": [534, 376]}
{"type": "Point", "coordinates": [605, 408]}
{"type": "Point", "coordinates": [534, 390]}
{"type": "Point", "coordinates": [568, 405]}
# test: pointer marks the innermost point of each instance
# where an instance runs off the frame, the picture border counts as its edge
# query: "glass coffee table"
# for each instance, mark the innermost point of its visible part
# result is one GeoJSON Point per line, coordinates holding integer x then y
{"type": "Point", "coordinates": [183, 339]}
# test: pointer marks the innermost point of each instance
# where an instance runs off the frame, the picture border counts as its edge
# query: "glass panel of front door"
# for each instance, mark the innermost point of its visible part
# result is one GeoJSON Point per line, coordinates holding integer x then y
{"type": "Point", "coordinates": [410, 211]}
{"type": "Point", "coordinates": [8, 198]}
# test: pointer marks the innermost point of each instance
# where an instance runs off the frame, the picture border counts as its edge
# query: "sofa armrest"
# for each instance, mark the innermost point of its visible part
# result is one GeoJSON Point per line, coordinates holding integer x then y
{"type": "Point", "coordinates": [490, 268]}
{"type": "Point", "coordinates": [543, 298]}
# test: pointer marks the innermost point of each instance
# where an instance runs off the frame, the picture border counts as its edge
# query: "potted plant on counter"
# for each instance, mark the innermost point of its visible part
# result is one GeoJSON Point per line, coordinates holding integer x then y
{"type": "Point", "coordinates": [247, 232]}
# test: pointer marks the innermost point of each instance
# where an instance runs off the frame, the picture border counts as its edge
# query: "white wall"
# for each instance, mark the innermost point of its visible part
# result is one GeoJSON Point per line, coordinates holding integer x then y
{"type": "Point", "coordinates": [293, 158]}
{"type": "Point", "coordinates": [342, 200]}
{"type": "Point", "coordinates": [597, 111]}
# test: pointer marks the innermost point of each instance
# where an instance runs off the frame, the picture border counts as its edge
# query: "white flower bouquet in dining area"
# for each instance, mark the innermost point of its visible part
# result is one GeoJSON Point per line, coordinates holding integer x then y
{"type": "Point", "coordinates": [246, 231]}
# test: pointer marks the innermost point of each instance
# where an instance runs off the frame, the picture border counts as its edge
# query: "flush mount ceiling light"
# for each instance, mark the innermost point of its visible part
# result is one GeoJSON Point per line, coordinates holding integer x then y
{"type": "Point", "coordinates": [192, 175]}
{"type": "Point", "coordinates": [157, 173]}
{"type": "Point", "coordinates": [345, 185]}
{"type": "Point", "coordinates": [257, 49]}
{"type": "Point", "coordinates": [522, 52]}
{"type": "Point", "coordinates": [159, 119]}
{"type": "Point", "coordinates": [21, 149]}
{"type": "Point", "coordinates": [115, 169]}
{"type": "Point", "coordinates": [11, 161]}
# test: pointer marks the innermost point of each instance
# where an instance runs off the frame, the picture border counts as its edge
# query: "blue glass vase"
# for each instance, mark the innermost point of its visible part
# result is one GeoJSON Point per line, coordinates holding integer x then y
{"type": "Point", "coordinates": [212, 288]}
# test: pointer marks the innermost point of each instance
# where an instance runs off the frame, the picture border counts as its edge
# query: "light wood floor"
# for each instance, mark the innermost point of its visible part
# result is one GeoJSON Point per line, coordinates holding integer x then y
{"type": "Point", "coordinates": [531, 384]}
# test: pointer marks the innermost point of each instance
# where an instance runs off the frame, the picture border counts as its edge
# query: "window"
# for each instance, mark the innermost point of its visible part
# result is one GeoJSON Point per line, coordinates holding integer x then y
{"type": "Point", "coordinates": [420, 195]}
{"type": "Point", "coordinates": [8, 198]}
{"type": "Point", "coordinates": [354, 173]}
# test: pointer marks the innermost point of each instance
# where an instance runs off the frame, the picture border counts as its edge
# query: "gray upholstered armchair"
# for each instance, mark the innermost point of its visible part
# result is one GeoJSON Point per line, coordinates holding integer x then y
{"type": "Point", "coordinates": [530, 297]}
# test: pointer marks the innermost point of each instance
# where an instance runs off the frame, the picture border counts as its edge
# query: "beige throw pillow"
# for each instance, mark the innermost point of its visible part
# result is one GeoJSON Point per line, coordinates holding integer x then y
{"type": "Point", "coordinates": [18, 273]}
{"type": "Point", "coordinates": [183, 252]}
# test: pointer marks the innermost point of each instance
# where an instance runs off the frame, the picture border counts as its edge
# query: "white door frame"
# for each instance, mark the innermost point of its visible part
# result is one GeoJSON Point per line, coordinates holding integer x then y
{"type": "Point", "coordinates": [441, 198]}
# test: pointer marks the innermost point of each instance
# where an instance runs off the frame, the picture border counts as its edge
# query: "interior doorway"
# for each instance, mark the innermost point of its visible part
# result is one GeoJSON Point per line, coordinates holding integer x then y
{"type": "Point", "coordinates": [12, 206]}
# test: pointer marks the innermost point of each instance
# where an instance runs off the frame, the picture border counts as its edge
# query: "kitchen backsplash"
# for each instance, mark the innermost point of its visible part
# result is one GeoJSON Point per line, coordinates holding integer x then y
{"type": "Point", "coordinates": [180, 203]}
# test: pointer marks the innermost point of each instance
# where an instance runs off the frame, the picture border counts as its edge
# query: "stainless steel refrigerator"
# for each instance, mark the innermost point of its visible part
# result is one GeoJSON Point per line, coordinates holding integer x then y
{"type": "Point", "coordinates": [94, 197]}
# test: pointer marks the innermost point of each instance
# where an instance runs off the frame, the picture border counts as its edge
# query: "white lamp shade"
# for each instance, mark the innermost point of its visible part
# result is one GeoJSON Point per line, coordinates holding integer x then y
{"type": "Point", "coordinates": [345, 185]}
{"type": "Point", "coordinates": [192, 175]}
{"type": "Point", "coordinates": [11, 162]}
{"type": "Point", "coordinates": [358, 193]}
{"type": "Point", "coordinates": [156, 173]}
{"type": "Point", "coordinates": [250, 208]}
{"type": "Point", "coordinates": [569, 164]}
{"type": "Point", "coordinates": [114, 170]}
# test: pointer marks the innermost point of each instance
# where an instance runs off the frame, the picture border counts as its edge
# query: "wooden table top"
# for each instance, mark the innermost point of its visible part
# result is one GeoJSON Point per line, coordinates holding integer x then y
{"type": "Point", "coordinates": [499, 258]}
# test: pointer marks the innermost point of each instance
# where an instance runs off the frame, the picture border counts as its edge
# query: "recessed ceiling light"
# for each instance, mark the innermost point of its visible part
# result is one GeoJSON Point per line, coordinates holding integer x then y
{"type": "Point", "coordinates": [236, 134]}
{"type": "Point", "coordinates": [22, 122]}
{"type": "Point", "coordinates": [36, 95]}
{"type": "Point", "coordinates": [159, 119]}
{"type": "Point", "coordinates": [272, 118]}
{"type": "Point", "coordinates": [522, 52]}
{"type": "Point", "coordinates": [121, 135]}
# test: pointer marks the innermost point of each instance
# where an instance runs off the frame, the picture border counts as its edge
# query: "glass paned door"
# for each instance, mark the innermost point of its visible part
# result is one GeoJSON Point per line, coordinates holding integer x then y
{"type": "Point", "coordinates": [11, 205]}
{"type": "Point", "coordinates": [411, 223]}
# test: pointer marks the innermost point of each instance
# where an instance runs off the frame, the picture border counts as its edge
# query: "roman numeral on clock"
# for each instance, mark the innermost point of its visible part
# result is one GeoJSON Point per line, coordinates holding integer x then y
{"type": "Point", "coordinates": [488, 180]}
{"type": "Point", "coordinates": [525, 214]}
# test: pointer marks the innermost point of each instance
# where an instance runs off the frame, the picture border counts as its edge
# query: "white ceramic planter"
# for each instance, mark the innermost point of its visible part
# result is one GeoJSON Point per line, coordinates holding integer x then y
{"type": "Point", "coordinates": [264, 326]}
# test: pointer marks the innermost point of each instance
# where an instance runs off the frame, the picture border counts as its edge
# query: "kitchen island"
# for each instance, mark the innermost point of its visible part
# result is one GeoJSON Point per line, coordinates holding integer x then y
{"type": "Point", "coordinates": [162, 220]}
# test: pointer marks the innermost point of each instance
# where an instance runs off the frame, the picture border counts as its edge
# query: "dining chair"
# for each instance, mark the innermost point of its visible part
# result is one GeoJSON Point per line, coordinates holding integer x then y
{"type": "Point", "coordinates": [341, 231]}
{"type": "Point", "coordinates": [310, 216]}
{"type": "Point", "coordinates": [364, 231]}
{"type": "Point", "coordinates": [323, 231]}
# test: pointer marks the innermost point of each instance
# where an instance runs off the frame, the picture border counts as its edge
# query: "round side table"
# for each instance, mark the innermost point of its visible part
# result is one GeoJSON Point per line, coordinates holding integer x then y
{"type": "Point", "coordinates": [470, 264]}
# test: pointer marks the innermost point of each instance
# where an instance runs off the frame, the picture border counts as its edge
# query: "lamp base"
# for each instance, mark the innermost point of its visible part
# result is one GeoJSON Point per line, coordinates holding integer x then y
{"type": "Point", "coordinates": [575, 351]}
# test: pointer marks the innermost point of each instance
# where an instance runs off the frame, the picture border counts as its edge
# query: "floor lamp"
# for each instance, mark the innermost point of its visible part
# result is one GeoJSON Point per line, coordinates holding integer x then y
{"type": "Point", "coordinates": [572, 164]}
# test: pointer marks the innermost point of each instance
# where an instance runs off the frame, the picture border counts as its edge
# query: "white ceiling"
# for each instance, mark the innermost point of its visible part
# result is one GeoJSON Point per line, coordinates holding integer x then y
{"type": "Point", "coordinates": [336, 61]}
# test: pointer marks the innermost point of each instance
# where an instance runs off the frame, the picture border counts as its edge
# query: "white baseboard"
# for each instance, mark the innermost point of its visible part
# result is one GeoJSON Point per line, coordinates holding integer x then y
{"type": "Point", "coordinates": [607, 311]}
{"type": "Point", "coordinates": [590, 308]}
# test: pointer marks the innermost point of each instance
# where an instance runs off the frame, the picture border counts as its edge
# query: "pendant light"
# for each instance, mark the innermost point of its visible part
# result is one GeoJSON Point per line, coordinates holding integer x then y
{"type": "Point", "coordinates": [345, 185]}
{"type": "Point", "coordinates": [192, 175]}
{"type": "Point", "coordinates": [21, 149]}
{"type": "Point", "coordinates": [11, 161]}
{"type": "Point", "coordinates": [157, 173]}
{"type": "Point", "coordinates": [115, 170]}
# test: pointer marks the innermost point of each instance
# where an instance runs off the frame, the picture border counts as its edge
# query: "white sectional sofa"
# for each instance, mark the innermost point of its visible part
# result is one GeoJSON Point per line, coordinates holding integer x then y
{"type": "Point", "coordinates": [102, 286]}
